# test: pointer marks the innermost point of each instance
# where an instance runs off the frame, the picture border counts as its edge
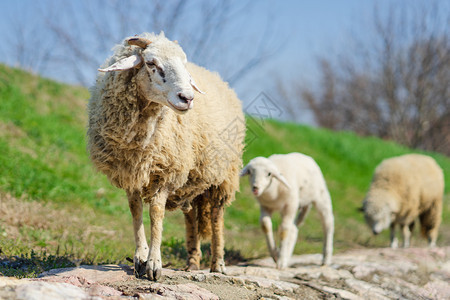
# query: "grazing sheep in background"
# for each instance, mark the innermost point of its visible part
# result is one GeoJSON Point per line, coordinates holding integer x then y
{"type": "Point", "coordinates": [402, 189]}
{"type": "Point", "coordinates": [288, 183]}
{"type": "Point", "coordinates": [148, 138]}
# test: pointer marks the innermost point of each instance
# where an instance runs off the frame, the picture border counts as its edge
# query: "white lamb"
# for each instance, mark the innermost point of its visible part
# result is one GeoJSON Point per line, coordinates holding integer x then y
{"type": "Point", "coordinates": [288, 183]}
{"type": "Point", "coordinates": [148, 138]}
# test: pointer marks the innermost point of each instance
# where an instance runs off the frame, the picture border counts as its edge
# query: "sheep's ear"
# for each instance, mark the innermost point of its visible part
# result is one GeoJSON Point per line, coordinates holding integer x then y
{"type": "Point", "coordinates": [245, 171]}
{"type": "Point", "coordinates": [361, 209]}
{"type": "Point", "coordinates": [194, 85]}
{"type": "Point", "coordinates": [124, 64]}
{"type": "Point", "coordinates": [281, 179]}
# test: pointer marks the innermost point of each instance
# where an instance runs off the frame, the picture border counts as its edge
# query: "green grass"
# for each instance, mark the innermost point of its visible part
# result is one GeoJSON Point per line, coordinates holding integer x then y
{"type": "Point", "coordinates": [45, 171]}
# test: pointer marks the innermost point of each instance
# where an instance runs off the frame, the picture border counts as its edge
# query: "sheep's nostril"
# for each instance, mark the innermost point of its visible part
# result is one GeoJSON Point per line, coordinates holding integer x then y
{"type": "Point", "coordinates": [185, 98]}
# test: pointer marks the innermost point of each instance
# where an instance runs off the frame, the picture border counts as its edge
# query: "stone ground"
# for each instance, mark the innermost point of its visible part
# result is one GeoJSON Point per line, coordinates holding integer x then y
{"type": "Point", "coordinates": [413, 273]}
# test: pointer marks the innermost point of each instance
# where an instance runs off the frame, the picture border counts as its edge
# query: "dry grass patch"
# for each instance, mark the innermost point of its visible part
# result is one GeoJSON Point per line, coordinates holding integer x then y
{"type": "Point", "coordinates": [51, 228]}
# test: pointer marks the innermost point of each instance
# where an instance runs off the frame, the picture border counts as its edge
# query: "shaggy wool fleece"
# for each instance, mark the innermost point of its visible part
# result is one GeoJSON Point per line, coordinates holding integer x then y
{"type": "Point", "coordinates": [408, 186]}
{"type": "Point", "coordinates": [142, 145]}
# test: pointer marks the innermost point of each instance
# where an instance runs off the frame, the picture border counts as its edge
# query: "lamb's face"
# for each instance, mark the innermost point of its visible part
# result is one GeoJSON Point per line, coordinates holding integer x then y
{"type": "Point", "coordinates": [163, 78]}
{"type": "Point", "coordinates": [260, 173]}
{"type": "Point", "coordinates": [378, 217]}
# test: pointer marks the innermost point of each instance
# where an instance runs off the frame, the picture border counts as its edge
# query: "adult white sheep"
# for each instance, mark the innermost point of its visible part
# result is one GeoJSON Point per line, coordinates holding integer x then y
{"type": "Point", "coordinates": [402, 189]}
{"type": "Point", "coordinates": [290, 183]}
{"type": "Point", "coordinates": [148, 138]}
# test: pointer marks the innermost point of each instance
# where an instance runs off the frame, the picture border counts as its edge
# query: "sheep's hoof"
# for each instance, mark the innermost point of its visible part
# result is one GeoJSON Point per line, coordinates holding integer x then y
{"type": "Point", "coordinates": [192, 267]}
{"type": "Point", "coordinates": [139, 268]}
{"type": "Point", "coordinates": [153, 270]}
{"type": "Point", "coordinates": [326, 263]}
{"type": "Point", "coordinates": [394, 244]}
{"type": "Point", "coordinates": [218, 267]}
{"type": "Point", "coordinates": [282, 265]}
{"type": "Point", "coordinates": [275, 258]}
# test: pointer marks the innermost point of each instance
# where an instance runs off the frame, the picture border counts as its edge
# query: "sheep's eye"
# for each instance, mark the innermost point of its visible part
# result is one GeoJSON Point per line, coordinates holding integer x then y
{"type": "Point", "coordinates": [155, 67]}
{"type": "Point", "coordinates": [269, 174]}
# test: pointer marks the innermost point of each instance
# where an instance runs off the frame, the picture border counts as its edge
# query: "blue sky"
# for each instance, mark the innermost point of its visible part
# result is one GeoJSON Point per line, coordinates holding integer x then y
{"type": "Point", "coordinates": [313, 28]}
{"type": "Point", "coordinates": [304, 28]}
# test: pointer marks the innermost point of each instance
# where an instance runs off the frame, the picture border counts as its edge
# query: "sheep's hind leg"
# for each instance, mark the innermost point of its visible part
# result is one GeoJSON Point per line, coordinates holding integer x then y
{"type": "Point", "coordinates": [141, 252]}
{"type": "Point", "coordinates": [192, 239]}
{"type": "Point", "coordinates": [157, 209]}
{"type": "Point", "coordinates": [327, 218]}
{"type": "Point", "coordinates": [302, 214]}
{"type": "Point", "coordinates": [430, 222]}
{"type": "Point", "coordinates": [217, 243]}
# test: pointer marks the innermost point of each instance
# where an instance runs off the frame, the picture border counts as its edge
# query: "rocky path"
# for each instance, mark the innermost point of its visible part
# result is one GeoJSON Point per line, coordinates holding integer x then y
{"type": "Point", "coordinates": [413, 273]}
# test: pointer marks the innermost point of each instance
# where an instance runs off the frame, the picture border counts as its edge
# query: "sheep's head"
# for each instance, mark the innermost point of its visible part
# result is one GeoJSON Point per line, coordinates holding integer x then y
{"type": "Point", "coordinates": [378, 214]}
{"type": "Point", "coordinates": [162, 75]}
{"type": "Point", "coordinates": [261, 172]}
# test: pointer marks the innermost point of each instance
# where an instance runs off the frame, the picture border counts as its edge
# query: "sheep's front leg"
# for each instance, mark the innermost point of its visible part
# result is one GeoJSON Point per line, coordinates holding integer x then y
{"type": "Point", "coordinates": [217, 243]}
{"type": "Point", "coordinates": [288, 237]}
{"type": "Point", "coordinates": [192, 240]}
{"type": "Point", "coordinates": [157, 209]}
{"type": "Point", "coordinates": [266, 226]}
{"type": "Point", "coordinates": [141, 252]}
{"type": "Point", "coordinates": [406, 235]}
{"type": "Point", "coordinates": [393, 238]}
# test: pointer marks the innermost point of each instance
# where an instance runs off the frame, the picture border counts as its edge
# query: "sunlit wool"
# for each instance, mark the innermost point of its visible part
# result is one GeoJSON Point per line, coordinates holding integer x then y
{"type": "Point", "coordinates": [145, 147]}
{"type": "Point", "coordinates": [290, 184]}
{"type": "Point", "coordinates": [402, 189]}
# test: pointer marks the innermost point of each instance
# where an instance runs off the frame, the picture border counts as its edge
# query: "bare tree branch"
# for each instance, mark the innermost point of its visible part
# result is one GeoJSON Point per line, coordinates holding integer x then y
{"type": "Point", "coordinates": [395, 85]}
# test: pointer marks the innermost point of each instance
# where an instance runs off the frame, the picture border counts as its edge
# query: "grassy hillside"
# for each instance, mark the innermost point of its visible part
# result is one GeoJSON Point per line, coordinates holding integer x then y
{"type": "Point", "coordinates": [56, 210]}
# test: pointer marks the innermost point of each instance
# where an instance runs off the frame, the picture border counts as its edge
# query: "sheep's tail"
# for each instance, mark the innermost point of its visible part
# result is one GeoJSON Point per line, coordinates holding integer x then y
{"type": "Point", "coordinates": [203, 207]}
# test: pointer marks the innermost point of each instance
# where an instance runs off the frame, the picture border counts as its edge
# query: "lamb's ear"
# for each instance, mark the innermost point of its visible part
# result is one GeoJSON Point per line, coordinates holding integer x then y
{"type": "Point", "coordinates": [245, 171]}
{"type": "Point", "coordinates": [361, 209]}
{"type": "Point", "coordinates": [124, 64]}
{"type": "Point", "coordinates": [281, 178]}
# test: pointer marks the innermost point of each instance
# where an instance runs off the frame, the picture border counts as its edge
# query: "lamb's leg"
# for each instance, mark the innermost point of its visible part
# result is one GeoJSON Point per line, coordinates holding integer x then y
{"type": "Point", "coordinates": [217, 243]}
{"type": "Point", "coordinates": [326, 216]}
{"type": "Point", "coordinates": [266, 226]}
{"type": "Point", "coordinates": [288, 237]}
{"type": "Point", "coordinates": [192, 240]}
{"type": "Point", "coordinates": [157, 209]}
{"type": "Point", "coordinates": [141, 252]}
{"type": "Point", "coordinates": [302, 214]}
{"type": "Point", "coordinates": [394, 240]}
{"type": "Point", "coordinates": [406, 235]}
